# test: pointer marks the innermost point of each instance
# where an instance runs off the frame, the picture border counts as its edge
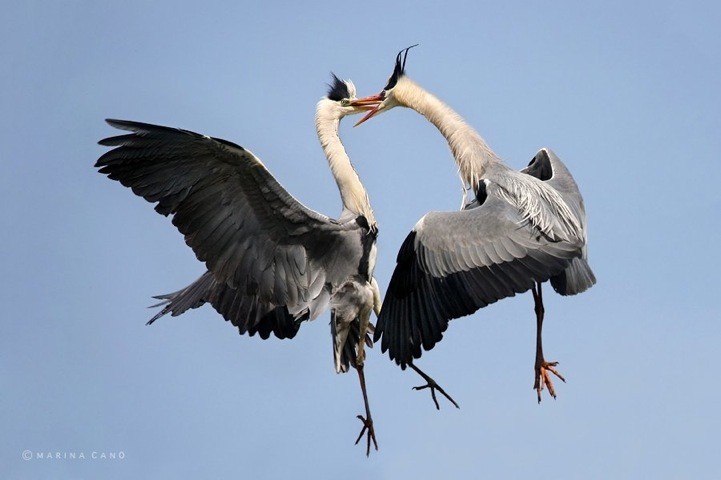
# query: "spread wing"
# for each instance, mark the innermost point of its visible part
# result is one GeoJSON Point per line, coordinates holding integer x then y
{"type": "Point", "coordinates": [454, 263]}
{"type": "Point", "coordinates": [256, 240]}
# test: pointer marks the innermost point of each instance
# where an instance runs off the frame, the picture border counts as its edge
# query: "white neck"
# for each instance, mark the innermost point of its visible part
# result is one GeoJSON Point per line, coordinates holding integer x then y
{"type": "Point", "coordinates": [471, 152]}
{"type": "Point", "coordinates": [353, 194]}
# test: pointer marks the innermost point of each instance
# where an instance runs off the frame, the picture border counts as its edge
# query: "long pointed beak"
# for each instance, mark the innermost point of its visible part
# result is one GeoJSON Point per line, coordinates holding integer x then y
{"type": "Point", "coordinates": [373, 101]}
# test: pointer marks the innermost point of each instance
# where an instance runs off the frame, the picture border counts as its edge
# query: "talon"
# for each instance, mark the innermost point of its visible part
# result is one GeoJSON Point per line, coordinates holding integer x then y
{"type": "Point", "coordinates": [543, 378]}
{"type": "Point", "coordinates": [433, 386]}
{"type": "Point", "coordinates": [371, 435]}
{"type": "Point", "coordinates": [433, 394]}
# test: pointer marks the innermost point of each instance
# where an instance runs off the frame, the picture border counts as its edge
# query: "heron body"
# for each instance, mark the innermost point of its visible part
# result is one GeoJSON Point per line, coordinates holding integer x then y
{"type": "Point", "coordinates": [453, 263]}
{"type": "Point", "coordinates": [271, 262]}
{"type": "Point", "coordinates": [518, 230]}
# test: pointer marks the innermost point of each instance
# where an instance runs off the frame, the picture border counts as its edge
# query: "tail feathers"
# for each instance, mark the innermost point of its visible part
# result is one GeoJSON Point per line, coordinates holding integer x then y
{"type": "Point", "coordinates": [346, 337]}
{"type": "Point", "coordinates": [576, 278]}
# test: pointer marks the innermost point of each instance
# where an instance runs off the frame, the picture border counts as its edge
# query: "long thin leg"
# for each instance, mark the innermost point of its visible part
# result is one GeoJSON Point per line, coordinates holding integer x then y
{"type": "Point", "coordinates": [367, 420]}
{"type": "Point", "coordinates": [542, 367]}
{"type": "Point", "coordinates": [432, 385]}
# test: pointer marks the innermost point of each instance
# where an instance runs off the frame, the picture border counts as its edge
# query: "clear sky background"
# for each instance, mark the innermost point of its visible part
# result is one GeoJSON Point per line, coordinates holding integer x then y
{"type": "Point", "coordinates": [627, 94]}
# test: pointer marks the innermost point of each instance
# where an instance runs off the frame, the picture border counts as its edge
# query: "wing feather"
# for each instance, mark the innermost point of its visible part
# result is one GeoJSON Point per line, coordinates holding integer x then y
{"type": "Point", "coordinates": [454, 263]}
{"type": "Point", "coordinates": [261, 246]}
{"type": "Point", "coordinates": [546, 166]}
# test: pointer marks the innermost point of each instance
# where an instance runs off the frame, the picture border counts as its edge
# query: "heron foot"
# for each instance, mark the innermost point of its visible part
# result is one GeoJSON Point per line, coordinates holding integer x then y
{"type": "Point", "coordinates": [543, 377]}
{"type": "Point", "coordinates": [434, 386]}
{"type": "Point", "coordinates": [370, 433]}
{"type": "Point", "coordinates": [430, 383]}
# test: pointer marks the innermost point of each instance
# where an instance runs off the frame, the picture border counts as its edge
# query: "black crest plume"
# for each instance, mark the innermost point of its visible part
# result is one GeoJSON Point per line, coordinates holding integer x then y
{"type": "Point", "coordinates": [337, 89]}
{"type": "Point", "coordinates": [400, 68]}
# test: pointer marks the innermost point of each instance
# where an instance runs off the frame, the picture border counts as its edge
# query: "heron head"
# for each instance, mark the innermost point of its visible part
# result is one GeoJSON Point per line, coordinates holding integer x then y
{"type": "Point", "coordinates": [386, 99]}
{"type": "Point", "coordinates": [343, 93]}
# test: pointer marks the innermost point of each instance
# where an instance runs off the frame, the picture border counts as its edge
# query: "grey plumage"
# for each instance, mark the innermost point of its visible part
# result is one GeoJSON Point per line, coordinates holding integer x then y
{"type": "Point", "coordinates": [239, 221]}
{"type": "Point", "coordinates": [520, 230]}
{"type": "Point", "coordinates": [454, 263]}
{"type": "Point", "coordinates": [577, 277]}
{"type": "Point", "coordinates": [271, 262]}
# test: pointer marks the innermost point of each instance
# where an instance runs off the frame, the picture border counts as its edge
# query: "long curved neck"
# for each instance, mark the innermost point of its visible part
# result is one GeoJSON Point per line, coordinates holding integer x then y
{"type": "Point", "coordinates": [353, 194]}
{"type": "Point", "coordinates": [472, 154]}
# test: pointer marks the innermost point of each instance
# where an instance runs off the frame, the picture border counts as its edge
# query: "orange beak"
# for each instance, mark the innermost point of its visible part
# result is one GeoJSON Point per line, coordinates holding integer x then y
{"type": "Point", "coordinates": [374, 102]}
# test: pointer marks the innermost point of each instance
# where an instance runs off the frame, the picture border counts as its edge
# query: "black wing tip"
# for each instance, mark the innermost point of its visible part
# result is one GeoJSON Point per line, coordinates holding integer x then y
{"type": "Point", "coordinates": [128, 125]}
{"type": "Point", "coordinates": [149, 129]}
{"type": "Point", "coordinates": [137, 127]}
{"type": "Point", "coordinates": [107, 142]}
{"type": "Point", "coordinates": [120, 125]}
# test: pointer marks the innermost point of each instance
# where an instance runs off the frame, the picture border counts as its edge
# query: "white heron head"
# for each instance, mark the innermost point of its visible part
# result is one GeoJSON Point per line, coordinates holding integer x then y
{"type": "Point", "coordinates": [340, 97]}
{"type": "Point", "coordinates": [387, 99]}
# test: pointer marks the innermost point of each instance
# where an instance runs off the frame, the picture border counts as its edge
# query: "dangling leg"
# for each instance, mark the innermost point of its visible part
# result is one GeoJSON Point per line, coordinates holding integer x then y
{"type": "Point", "coordinates": [432, 385]}
{"type": "Point", "coordinates": [367, 420]}
{"type": "Point", "coordinates": [542, 367]}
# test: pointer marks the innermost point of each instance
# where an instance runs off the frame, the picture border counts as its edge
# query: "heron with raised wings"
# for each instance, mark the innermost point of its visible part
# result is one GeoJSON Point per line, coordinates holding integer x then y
{"type": "Point", "coordinates": [519, 229]}
{"type": "Point", "coordinates": [272, 263]}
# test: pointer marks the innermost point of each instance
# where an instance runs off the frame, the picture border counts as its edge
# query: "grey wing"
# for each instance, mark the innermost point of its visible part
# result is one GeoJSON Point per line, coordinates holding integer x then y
{"type": "Point", "coordinates": [245, 311]}
{"type": "Point", "coordinates": [546, 166]}
{"type": "Point", "coordinates": [254, 237]}
{"type": "Point", "coordinates": [454, 263]}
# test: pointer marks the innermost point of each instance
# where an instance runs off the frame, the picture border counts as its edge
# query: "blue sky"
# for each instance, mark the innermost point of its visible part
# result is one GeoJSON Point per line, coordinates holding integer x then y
{"type": "Point", "coordinates": [627, 95]}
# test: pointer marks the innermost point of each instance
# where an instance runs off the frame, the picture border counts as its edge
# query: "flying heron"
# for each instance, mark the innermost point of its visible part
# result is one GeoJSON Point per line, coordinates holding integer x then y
{"type": "Point", "coordinates": [518, 230]}
{"type": "Point", "coordinates": [271, 261]}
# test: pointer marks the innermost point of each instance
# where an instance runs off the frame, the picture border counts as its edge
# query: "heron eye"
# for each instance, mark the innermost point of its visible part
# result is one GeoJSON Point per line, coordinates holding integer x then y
{"type": "Point", "coordinates": [345, 102]}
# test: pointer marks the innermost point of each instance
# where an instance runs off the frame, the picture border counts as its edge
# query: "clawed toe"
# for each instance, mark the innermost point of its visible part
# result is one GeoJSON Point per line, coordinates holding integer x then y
{"type": "Point", "coordinates": [433, 386]}
{"type": "Point", "coordinates": [543, 378]}
{"type": "Point", "coordinates": [369, 431]}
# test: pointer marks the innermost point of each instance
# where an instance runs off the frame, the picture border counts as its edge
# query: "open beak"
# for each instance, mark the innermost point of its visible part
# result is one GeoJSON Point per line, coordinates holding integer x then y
{"type": "Point", "coordinates": [373, 103]}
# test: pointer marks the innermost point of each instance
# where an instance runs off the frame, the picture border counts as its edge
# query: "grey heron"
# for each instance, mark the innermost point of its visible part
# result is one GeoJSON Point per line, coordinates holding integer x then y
{"type": "Point", "coordinates": [272, 263]}
{"type": "Point", "coordinates": [520, 229]}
